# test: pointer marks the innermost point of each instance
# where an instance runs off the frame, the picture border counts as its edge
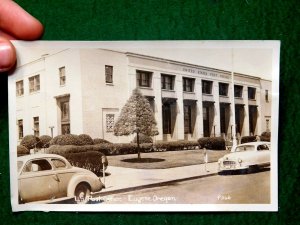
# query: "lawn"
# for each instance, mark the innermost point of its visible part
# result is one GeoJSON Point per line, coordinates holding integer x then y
{"type": "Point", "coordinates": [163, 160]}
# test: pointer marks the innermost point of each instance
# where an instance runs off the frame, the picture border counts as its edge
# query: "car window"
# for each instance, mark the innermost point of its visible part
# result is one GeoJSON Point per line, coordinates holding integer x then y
{"type": "Point", "coordinates": [262, 147]}
{"type": "Point", "coordinates": [20, 164]}
{"type": "Point", "coordinates": [37, 165]}
{"type": "Point", "coordinates": [244, 148]}
{"type": "Point", "coordinates": [58, 164]}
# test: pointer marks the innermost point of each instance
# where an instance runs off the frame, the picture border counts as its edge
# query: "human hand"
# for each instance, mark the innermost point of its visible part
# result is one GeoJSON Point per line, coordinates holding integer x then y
{"type": "Point", "coordinates": [15, 23]}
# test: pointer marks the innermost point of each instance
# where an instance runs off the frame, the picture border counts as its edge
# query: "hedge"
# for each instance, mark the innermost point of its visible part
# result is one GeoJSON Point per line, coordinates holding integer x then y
{"type": "Point", "coordinates": [214, 143]}
{"type": "Point", "coordinates": [44, 141]}
{"type": "Point", "coordinates": [246, 139]}
{"type": "Point", "coordinates": [175, 145]}
{"type": "Point", "coordinates": [87, 160]}
{"type": "Point", "coordinates": [143, 139]}
{"type": "Point", "coordinates": [22, 150]}
{"type": "Point", "coordinates": [64, 149]}
{"type": "Point", "coordinates": [85, 139]}
{"type": "Point", "coordinates": [30, 141]}
{"type": "Point", "coordinates": [100, 141]}
{"type": "Point", "coordinates": [66, 139]}
{"type": "Point", "coordinates": [265, 136]}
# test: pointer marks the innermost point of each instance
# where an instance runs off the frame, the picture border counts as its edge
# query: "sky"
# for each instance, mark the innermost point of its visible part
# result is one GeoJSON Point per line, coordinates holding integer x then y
{"type": "Point", "coordinates": [251, 58]}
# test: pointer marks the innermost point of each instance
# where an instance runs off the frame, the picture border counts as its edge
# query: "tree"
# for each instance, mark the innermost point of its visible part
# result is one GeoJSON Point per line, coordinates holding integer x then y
{"type": "Point", "coordinates": [136, 117]}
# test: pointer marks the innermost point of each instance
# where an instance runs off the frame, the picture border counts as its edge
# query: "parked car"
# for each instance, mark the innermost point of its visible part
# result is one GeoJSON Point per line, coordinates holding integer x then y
{"type": "Point", "coordinates": [249, 156]}
{"type": "Point", "coordinates": [50, 178]}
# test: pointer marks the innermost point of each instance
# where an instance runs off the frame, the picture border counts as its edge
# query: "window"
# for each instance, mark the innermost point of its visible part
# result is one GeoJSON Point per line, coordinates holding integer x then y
{"type": "Point", "coordinates": [267, 95]}
{"type": "Point", "coordinates": [37, 165]}
{"type": "Point", "coordinates": [238, 91]}
{"type": "Point", "coordinates": [267, 125]}
{"type": "Point", "coordinates": [65, 117]}
{"type": "Point", "coordinates": [187, 119]}
{"type": "Point", "coordinates": [251, 93]}
{"type": "Point", "coordinates": [62, 76]}
{"type": "Point", "coordinates": [110, 120]}
{"type": "Point", "coordinates": [108, 74]}
{"type": "Point", "coordinates": [188, 84]}
{"type": "Point", "coordinates": [143, 78]}
{"type": "Point", "coordinates": [167, 82]}
{"type": "Point", "coordinates": [223, 89]}
{"type": "Point", "coordinates": [20, 129]}
{"type": "Point", "coordinates": [206, 87]}
{"type": "Point", "coordinates": [34, 83]}
{"type": "Point", "coordinates": [58, 164]}
{"type": "Point", "coordinates": [20, 88]}
{"type": "Point", "coordinates": [166, 111]}
{"type": "Point", "coordinates": [36, 126]}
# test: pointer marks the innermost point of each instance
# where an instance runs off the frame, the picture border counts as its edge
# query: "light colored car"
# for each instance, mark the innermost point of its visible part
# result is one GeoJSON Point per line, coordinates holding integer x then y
{"type": "Point", "coordinates": [249, 156]}
{"type": "Point", "coordinates": [50, 178]}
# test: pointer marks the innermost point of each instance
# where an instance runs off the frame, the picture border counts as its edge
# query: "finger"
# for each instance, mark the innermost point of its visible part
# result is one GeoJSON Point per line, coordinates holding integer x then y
{"type": "Point", "coordinates": [7, 55]}
{"type": "Point", "coordinates": [17, 22]}
{"type": "Point", "coordinates": [6, 35]}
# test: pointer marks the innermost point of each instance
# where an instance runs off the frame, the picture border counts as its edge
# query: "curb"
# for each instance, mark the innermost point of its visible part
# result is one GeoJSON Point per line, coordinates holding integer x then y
{"type": "Point", "coordinates": [163, 183]}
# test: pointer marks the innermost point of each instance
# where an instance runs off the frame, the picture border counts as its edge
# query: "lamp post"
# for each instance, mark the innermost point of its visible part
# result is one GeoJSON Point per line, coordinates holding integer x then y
{"type": "Point", "coordinates": [51, 127]}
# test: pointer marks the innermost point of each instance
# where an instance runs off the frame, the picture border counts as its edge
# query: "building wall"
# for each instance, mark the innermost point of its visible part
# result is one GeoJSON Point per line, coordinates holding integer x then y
{"type": "Point", "coordinates": [93, 100]}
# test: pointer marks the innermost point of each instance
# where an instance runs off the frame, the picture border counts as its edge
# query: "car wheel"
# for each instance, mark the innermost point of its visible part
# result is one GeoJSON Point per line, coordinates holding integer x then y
{"type": "Point", "coordinates": [82, 193]}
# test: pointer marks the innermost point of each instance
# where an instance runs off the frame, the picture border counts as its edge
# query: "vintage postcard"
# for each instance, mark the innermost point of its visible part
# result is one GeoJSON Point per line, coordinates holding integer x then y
{"type": "Point", "coordinates": [144, 126]}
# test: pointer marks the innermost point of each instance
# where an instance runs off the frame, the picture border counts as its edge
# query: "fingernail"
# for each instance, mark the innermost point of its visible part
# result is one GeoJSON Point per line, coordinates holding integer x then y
{"type": "Point", "coordinates": [6, 56]}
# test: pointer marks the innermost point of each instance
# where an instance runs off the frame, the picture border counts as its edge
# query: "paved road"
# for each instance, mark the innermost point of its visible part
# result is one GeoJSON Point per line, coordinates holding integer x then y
{"type": "Point", "coordinates": [220, 189]}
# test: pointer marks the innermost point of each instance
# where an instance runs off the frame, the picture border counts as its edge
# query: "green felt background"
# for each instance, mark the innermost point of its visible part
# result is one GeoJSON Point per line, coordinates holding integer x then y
{"type": "Point", "coordinates": [176, 20]}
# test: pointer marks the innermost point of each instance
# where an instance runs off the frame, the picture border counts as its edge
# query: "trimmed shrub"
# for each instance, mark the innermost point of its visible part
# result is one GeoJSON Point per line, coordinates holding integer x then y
{"type": "Point", "coordinates": [100, 141]}
{"type": "Point", "coordinates": [265, 136]}
{"type": "Point", "coordinates": [175, 145]}
{"type": "Point", "coordinates": [246, 139]}
{"type": "Point", "coordinates": [64, 149]}
{"type": "Point", "coordinates": [85, 139]}
{"type": "Point", "coordinates": [44, 141]}
{"type": "Point", "coordinates": [91, 160]}
{"type": "Point", "coordinates": [30, 141]}
{"type": "Point", "coordinates": [213, 143]}
{"type": "Point", "coordinates": [22, 150]}
{"type": "Point", "coordinates": [66, 139]}
{"type": "Point", "coordinates": [143, 139]}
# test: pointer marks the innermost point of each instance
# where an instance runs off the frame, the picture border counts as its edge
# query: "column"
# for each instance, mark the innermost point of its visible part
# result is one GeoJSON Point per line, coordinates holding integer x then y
{"type": "Point", "coordinates": [179, 124]}
{"type": "Point", "coordinates": [216, 130]}
{"type": "Point", "coordinates": [199, 106]}
{"type": "Point", "coordinates": [158, 105]}
{"type": "Point", "coordinates": [260, 118]}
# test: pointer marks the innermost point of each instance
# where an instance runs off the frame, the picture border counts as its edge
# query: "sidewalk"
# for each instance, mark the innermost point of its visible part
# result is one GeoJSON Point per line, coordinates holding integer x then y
{"type": "Point", "coordinates": [122, 179]}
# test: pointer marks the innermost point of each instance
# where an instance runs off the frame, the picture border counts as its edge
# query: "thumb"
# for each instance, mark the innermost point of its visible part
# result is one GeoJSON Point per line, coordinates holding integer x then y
{"type": "Point", "coordinates": [7, 55]}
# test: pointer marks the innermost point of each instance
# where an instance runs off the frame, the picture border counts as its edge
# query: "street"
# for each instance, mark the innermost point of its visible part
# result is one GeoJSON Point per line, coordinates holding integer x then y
{"type": "Point", "coordinates": [220, 189]}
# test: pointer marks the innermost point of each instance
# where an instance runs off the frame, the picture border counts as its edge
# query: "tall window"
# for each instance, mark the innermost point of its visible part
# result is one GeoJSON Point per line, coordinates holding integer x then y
{"type": "Point", "coordinates": [108, 74]}
{"type": "Point", "coordinates": [267, 95]}
{"type": "Point", "coordinates": [34, 83]}
{"type": "Point", "coordinates": [143, 78]}
{"type": "Point", "coordinates": [223, 89]}
{"type": "Point", "coordinates": [65, 117]}
{"type": "Point", "coordinates": [188, 84]}
{"type": "Point", "coordinates": [20, 129]}
{"type": "Point", "coordinates": [251, 93]}
{"type": "Point", "coordinates": [36, 126]}
{"type": "Point", "coordinates": [206, 87]}
{"type": "Point", "coordinates": [62, 76]}
{"type": "Point", "coordinates": [20, 88]}
{"type": "Point", "coordinates": [166, 118]}
{"type": "Point", "coordinates": [238, 91]}
{"type": "Point", "coordinates": [110, 121]}
{"type": "Point", "coordinates": [187, 119]}
{"type": "Point", "coordinates": [167, 82]}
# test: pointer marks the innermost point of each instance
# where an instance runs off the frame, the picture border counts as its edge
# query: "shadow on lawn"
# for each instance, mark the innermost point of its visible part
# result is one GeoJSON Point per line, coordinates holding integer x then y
{"type": "Point", "coordinates": [143, 160]}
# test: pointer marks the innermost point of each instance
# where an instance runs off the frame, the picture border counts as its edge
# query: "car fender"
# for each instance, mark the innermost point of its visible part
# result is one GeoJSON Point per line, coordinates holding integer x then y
{"type": "Point", "coordinates": [75, 180]}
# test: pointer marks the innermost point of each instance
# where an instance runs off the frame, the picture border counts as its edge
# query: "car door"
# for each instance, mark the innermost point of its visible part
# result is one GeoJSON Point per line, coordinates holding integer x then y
{"type": "Point", "coordinates": [38, 181]}
{"type": "Point", "coordinates": [64, 173]}
{"type": "Point", "coordinates": [263, 154]}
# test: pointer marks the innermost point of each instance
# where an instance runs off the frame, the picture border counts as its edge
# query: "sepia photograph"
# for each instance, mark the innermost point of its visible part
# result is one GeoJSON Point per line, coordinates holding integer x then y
{"type": "Point", "coordinates": [144, 126]}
